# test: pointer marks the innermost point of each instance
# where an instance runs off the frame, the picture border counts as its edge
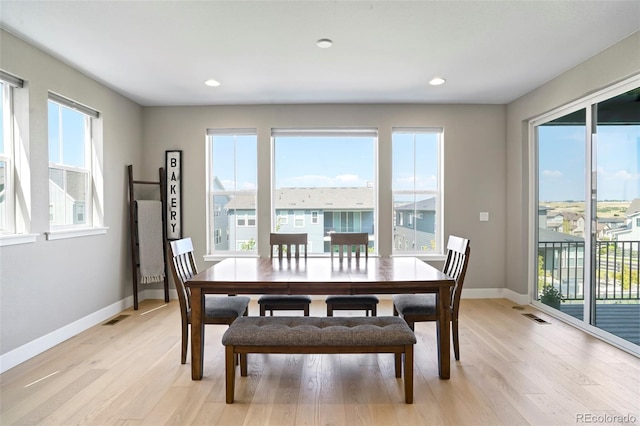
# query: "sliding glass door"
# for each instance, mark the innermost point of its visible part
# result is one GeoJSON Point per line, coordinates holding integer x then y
{"type": "Point", "coordinates": [587, 230]}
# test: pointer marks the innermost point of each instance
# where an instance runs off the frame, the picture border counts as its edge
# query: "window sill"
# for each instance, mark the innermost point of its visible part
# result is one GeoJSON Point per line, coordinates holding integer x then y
{"type": "Point", "coordinates": [424, 257]}
{"type": "Point", "coordinates": [15, 239]}
{"type": "Point", "coordinates": [219, 257]}
{"type": "Point", "coordinates": [61, 234]}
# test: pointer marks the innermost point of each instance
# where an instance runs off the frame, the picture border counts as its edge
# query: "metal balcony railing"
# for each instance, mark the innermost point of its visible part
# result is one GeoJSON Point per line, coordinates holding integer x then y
{"type": "Point", "coordinates": [617, 269]}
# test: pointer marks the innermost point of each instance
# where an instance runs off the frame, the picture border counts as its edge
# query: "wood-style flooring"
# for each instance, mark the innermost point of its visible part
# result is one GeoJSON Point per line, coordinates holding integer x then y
{"type": "Point", "coordinates": [513, 371]}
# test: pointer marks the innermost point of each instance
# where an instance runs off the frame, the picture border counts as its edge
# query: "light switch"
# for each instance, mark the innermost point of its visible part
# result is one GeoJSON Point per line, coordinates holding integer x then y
{"type": "Point", "coordinates": [484, 216]}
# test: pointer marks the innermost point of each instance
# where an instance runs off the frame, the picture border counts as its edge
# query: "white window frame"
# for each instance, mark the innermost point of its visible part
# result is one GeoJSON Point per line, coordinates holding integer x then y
{"type": "Point", "coordinates": [298, 219]}
{"type": "Point", "coordinates": [17, 179]}
{"type": "Point", "coordinates": [7, 156]}
{"type": "Point", "coordinates": [329, 132]}
{"type": "Point", "coordinates": [283, 217]}
{"type": "Point", "coordinates": [212, 192]}
{"type": "Point", "coordinates": [93, 168]}
{"type": "Point", "coordinates": [438, 194]}
{"type": "Point", "coordinates": [315, 217]}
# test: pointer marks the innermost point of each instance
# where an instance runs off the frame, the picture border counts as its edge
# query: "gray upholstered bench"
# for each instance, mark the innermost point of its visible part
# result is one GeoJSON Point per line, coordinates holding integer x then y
{"type": "Point", "coordinates": [319, 335]}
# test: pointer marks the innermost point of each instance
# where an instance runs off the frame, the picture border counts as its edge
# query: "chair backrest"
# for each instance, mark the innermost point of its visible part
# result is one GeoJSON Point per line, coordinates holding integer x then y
{"type": "Point", "coordinates": [354, 241]}
{"type": "Point", "coordinates": [458, 250]}
{"type": "Point", "coordinates": [288, 243]}
{"type": "Point", "coordinates": [183, 267]}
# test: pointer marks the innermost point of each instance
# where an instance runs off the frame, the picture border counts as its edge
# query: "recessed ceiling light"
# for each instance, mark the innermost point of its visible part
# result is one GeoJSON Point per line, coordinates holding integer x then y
{"type": "Point", "coordinates": [324, 43]}
{"type": "Point", "coordinates": [437, 81]}
{"type": "Point", "coordinates": [212, 83]}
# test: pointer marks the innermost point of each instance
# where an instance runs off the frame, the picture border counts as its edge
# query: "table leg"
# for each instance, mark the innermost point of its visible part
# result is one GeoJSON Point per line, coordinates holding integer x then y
{"type": "Point", "coordinates": [443, 329]}
{"type": "Point", "coordinates": [197, 333]}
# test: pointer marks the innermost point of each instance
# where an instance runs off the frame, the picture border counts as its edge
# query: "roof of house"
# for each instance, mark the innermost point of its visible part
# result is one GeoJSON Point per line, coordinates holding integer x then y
{"type": "Point", "coordinates": [428, 204]}
{"type": "Point", "coordinates": [549, 236]}
{"type": "Point", "coordinates": [633, 207]}
{"type": "Point", "coordinates": [322, 198]}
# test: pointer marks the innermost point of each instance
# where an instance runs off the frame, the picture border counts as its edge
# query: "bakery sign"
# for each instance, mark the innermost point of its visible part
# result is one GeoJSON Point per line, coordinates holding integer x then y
{"type": "Point", "coordinates": [173, 166]}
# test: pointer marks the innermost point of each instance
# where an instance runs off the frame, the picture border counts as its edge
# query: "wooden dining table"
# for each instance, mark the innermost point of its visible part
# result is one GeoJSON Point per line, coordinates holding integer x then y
{"type": "Point", "coordinates": [320, 276]}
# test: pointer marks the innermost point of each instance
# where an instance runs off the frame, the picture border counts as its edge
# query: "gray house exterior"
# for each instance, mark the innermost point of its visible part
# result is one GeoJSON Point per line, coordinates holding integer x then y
{"type": "Point", "coordinates": [415, 226]}
{"type": "Point", "coordinates": [315, 211]}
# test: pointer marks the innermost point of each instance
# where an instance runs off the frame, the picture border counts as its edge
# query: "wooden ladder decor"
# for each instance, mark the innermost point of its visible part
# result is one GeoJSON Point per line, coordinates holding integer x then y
{"type": "Point", "coordinates": [133, 221]}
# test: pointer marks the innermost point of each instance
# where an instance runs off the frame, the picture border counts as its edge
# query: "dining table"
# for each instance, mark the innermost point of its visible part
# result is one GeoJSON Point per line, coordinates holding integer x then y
{"type": "Point", "coordinates": [320, 276]}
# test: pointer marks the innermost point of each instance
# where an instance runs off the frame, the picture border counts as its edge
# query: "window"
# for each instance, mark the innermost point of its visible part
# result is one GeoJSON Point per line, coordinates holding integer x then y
{"type": "Point", "coordinates": [232, 184]}
{"type": "Point", "coordinates": [417, 190]}
{"type": "Point", "coordinates": [72, 150]}
{"type": "Point", "coordinates": [328, 174]}
{"type": "Point", "coordinates": [282, 219]}
{"type": "Point", "coordinates": [8, 84]}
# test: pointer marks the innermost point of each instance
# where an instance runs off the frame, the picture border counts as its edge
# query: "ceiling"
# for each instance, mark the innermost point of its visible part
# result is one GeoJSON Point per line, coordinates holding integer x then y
{"type": "Point", "coordinates": [264, 52]}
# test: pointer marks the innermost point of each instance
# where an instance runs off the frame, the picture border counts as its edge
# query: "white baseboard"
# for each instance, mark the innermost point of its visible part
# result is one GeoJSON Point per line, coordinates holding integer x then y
{"type": "Point", "coordinates": [495, 293]}
{"type": "Point", "coordinates": [41, 344]}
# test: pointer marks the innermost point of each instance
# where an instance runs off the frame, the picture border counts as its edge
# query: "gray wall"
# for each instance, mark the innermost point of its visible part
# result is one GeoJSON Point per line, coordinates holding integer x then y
{"type": "Point", "coordinates": [474, 170]}
{"type": "Point", "coordinates": [610, 66]}
{"type": "Point", "coordinates": [47, 285]}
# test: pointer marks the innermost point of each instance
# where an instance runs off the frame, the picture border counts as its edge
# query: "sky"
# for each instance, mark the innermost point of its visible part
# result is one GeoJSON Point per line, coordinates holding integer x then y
{"type": "Point", "coordinates": [562, 164]}
{"type": "Point", "coordinates": [328, 161]}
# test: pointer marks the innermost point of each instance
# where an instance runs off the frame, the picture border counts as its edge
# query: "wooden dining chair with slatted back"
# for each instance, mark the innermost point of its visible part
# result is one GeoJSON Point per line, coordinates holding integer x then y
{"type": "Point", "coordinates": [350, 244]}
{"type": "Point", "coordinates": [422, 307]}
{"type": "Point", "coordinates": [286, 244]}
{"type": "Point", "coordinates": [217, 309]}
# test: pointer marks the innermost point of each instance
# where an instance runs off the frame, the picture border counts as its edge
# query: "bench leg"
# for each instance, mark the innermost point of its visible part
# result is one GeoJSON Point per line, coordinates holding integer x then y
{"type": "Point", "coordinates": [230, 372]}
{"type": "Point", "coordinates": [243, 365]}
{"type": "Point", "coordinates": [408, 374]}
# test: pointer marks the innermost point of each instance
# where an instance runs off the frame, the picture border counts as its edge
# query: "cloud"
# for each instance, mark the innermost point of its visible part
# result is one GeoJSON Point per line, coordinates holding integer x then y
{"type": "Point", "coordinates": [625, 175]}
{"type": "Point", "coordinates": [347, 178]}
{"type": "Point", "coordinates": [552, 173]}
{"type": "Point", "coordinates": [229, 185]}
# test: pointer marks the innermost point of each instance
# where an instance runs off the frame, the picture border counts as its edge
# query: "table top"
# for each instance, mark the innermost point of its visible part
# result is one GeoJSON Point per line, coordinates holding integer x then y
{"type": "Point", "coordinates": [322, 275]}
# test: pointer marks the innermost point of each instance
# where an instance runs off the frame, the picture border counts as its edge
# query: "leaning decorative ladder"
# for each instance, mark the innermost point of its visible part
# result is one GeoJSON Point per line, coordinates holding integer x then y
{"type": "Point", "coordinates": [133, 221]}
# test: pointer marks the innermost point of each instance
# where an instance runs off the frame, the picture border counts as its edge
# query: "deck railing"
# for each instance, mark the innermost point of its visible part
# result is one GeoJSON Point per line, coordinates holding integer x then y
{"type": "Point", "coordinates": [617, 269]}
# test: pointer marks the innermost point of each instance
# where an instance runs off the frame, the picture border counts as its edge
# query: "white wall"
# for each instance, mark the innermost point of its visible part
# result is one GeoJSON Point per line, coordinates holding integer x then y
{"type": "Point", "coordinates": [474, 181]}
{"type": "Point", "coordinates": [49, 286]}
{"type": "Point", "coordinates": [610, 66]}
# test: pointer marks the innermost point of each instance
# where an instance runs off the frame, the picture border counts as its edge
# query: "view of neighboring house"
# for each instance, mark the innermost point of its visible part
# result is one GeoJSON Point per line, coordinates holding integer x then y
{"type": "Point", "coordinates": [630, 231]}
{"type": "Point", "coordinates": [414, 225]}
{"type": "Point", "coordinates": [315, 211]}
{"type": "Point", "coordinates": [68, 207]}
{"type": "Point", "coordinates": [318, 212]}
{"type": "Point", "coordinates": [220, 217]}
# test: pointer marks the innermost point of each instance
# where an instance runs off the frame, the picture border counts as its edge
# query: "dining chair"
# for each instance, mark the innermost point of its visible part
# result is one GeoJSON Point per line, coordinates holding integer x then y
{"type": "Point", "coordinates": [423, 307]}
{"type": "Point", "coordinates": [349, 244]}
{"type": "Point", "coordinates": [289, 244]}
{"type": "Point", "coordinates": [217, 309]}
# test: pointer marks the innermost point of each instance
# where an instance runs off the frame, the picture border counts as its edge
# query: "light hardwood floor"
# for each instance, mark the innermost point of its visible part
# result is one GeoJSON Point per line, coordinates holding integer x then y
{"type": "Point", "coordinates": [513, 371]}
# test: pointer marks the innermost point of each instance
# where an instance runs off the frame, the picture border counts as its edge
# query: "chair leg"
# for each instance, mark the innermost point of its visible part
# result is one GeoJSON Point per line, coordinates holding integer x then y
{"type": "Point", "coordinates": [306, 310]}
{"type": "Point", "coordinates": [262, 310]}
{"type": "Point", "coordinates": [329, 310]}
{"type": "Point", "coordinates": [456, 343]}
{"type": "Point", "coordinates": [243, 365]}
{"type": "Point", "coordinates": [408, 374]}
{"type": "Point", "coordinates": [395, 311]}
{"type": "Point", "coordinates": [374, 311]}
{"type": "Point", "coordinates": [185, 342]}
{"type": "Point", "coordinates": [230, 373]}
{"type": "Point", "coordinates": [398, 364]}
